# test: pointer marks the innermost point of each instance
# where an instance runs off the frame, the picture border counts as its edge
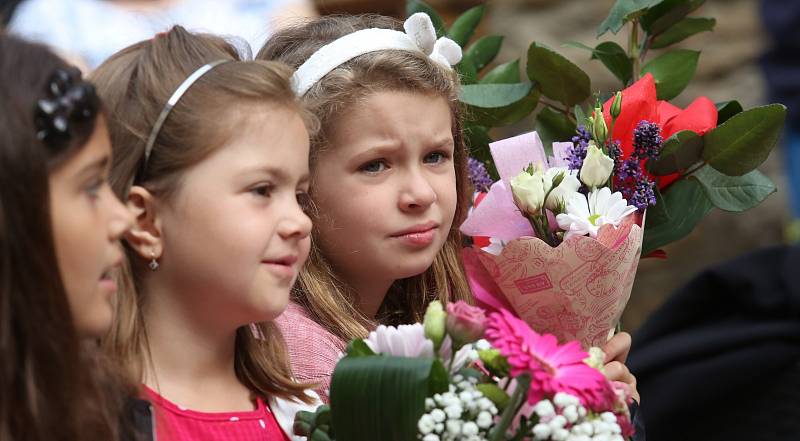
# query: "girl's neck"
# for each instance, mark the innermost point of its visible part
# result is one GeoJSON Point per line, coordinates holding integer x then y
{"type": "Point", "coordinates": [370, 294]}
{"type": "Point", "coordinates": [190, 360]}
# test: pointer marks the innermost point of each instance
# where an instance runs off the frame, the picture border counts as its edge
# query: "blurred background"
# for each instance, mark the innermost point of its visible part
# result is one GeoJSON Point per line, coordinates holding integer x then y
{"type": "Point", "coordinates": [729, 67]}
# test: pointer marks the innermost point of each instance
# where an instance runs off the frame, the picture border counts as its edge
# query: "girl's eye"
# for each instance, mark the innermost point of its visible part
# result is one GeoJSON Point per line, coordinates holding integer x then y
{"type": "Point", "coordinates": [263, 190]}
{"type": "Point", "coordinates": [436, 158]}
{"type": "Point", "coordinates": [94, 187]}
{"type": "Point", "coordinates": [374, 166]}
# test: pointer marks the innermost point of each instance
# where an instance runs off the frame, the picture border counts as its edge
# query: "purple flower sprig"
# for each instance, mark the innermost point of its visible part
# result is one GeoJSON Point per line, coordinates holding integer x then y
{"type": "Point", "coordinates": [478, 175]}
{"type": "Point", "coordinates": [580, 145]}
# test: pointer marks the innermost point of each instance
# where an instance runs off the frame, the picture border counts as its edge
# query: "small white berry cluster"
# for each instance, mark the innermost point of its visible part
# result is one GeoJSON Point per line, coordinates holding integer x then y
{"type": "Point", "coordinates": [565, 419]}
{"type": "Point", "coordinates": [461, 414]}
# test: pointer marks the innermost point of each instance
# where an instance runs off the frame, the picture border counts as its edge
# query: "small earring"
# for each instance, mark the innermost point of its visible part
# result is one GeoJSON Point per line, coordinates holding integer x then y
{"type": "Point", "coordinates": [153, 262]}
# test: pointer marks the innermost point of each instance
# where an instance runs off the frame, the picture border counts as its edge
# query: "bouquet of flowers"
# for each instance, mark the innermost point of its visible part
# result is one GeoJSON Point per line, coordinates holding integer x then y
{"type": "Point", "coordinates": [463, 375]}
{"type": "Point", "coordinates": [558, 235]}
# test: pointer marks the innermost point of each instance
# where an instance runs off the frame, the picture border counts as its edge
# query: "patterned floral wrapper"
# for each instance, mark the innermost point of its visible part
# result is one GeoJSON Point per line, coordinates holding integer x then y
{"type": "Point", "coordinates": [575, 291]}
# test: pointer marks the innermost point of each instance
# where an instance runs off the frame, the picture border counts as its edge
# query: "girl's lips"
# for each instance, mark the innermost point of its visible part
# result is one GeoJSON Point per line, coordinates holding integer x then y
{"type": "Point", "coordinates": [418, 239]}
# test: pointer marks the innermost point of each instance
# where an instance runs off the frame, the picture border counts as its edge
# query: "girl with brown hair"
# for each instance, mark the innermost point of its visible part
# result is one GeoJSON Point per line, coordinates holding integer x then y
{"type": "Point", "coordinates": [60, 226]}
{"type": "Point", "coordinates": [389, 183]}
{"type": "Point", "coordinates": [211, 153]}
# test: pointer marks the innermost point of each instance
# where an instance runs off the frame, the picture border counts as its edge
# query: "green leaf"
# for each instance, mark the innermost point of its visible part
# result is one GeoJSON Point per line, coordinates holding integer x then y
{"type": "Point", "coordinates": [464, 26]}
{"type": "Point", "coordinates": [679, 152]}
{"type": "Point", "coordinates": [672, 72]}
{"type": "Point", "coordinates": [383, 395]}
{"type": "Point", "coordinates": [494, 95]}
{"type": "Point", "coordinates": [466, 70]}
{"type": "Point", "coordinates": [495, 394]}
{"type": "Point", "coordinates": [358, 348]}
{"type": "Point", "coordinates": [553, 127]}
{"type": "Point", "coordinates": [559, 78]}
{"type": "Point", "coordinates": [683, 30]}
{"type": "Point", "coordinates": [578, 45]}
{"type": "Point", "coordinates": [685, 205]}
{"type": "Point", "coordinates": [581, 116]}
{"type": "Point", "coordinates": [483, 51]}
{"type": "Point", "coordinates": [505, 73]}
{"type": "Point", "coordinates": [734, 193]}
{"type": "Point", "coordinates": [614, 57]}
{"type": "Point", "coordinates": [503, 116]}
{"type": "Point", "coordinates": [478, 140]}
{"type": "Point", "coordinates": [744, 141]}
{"type": "Point", "coordinates": [726, 110]}
{"type": "Point", "coordinates": [667, 13]}
{"type": "Point", "coordinates": [621, 12]}
{"type": "Point", "coordinates": [414, 6]}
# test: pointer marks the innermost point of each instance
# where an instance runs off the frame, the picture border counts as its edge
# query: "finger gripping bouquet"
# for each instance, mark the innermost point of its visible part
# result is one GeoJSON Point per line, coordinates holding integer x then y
{"type": "Point", "coordinates": [564, 232]}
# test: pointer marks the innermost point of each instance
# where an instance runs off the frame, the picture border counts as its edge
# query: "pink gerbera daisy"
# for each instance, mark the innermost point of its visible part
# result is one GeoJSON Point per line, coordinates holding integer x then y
{"type": "Point", "coordinates": [553, 367]}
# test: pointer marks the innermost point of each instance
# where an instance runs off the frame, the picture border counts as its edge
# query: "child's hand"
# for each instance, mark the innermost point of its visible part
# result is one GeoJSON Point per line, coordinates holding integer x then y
{"type": "Point", "coordinates": [616, 351]}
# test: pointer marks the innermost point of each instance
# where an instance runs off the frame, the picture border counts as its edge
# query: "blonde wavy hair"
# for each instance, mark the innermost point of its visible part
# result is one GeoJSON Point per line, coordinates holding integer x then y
{"type": "Point", "coordinates": [135, 84]}
{"type": "Point", "coordinates": [323, 294]}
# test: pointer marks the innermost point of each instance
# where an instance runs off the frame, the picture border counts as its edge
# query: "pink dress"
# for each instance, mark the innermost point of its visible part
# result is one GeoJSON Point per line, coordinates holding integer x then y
{"type": "Point", "coordinates": [313, 350]}
{"type": "Point", "coordinates": [176, 423]}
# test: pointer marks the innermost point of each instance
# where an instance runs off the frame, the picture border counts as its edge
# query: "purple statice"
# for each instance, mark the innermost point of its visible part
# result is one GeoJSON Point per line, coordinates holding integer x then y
{"type": "Point", "coordinates": [642, 194]}
{"type": "Point", "coordinates": [615, 153]}
{"type": "Point", "coordinates": [629, 168]}
{"type": "Point", "coordinates": [478, 175]}
{"type": "Point", "coordinates": [646, 140]}
{"type": "Point", "coordinates": [580, 145]}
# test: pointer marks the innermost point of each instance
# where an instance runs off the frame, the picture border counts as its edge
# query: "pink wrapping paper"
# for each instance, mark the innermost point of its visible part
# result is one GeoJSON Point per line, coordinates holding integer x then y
{"type": "Point", "coordinates": [576, 291]}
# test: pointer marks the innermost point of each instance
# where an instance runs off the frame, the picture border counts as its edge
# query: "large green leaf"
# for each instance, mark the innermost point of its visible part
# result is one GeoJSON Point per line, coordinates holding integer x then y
{"type": "Point", "coordinates": [483, 51]}
{"type": "Point", "coordinates": [621, 12]}
{"type": "Point", "coordinates": [553, 127]}
{"type": "Point", "coordinates": [725, 110]}
{"type": "Point", "coordinates": [672, 72]}
{"type": "Point", "coordinates": [683, 30]}
{"type": "Point", "coordinates": [614, 57]}
{"type": "Point", "coordinates": [503, 116]}
{"type": "Point", "coordinates": [414, 6]}
{"type": "Point", "coordinates": [666, 13]}
{"type": "Point", "coordinates": [559, 78]}
{"type": "Point", "coordinates": [466, 70]}
{"type": "Point", "coordinates": [494, 95]}
{"type": "Point", "coordinates": [679, 152]}
{"type": "Point", "coordinates": [744, 141]}
{"type": "Point", "coordinates": [464, 26]}
{"type": "Point", "coordinates": [383, 395]}
{"type": "Point", "coordinates": [505, 73]}
{"type": "Point", "coordinates": [734, 193]}
{"type": "Point", "coordinates": [685, 205]}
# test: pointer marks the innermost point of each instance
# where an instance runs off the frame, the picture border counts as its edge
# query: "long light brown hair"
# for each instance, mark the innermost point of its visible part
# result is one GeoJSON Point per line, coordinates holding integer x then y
{"type": "Point", "coordinates": [323, 293]}
{"type": "Point", "coordinates": [135, 84]}
{"type": "Point", "coordinates": [53, 386]}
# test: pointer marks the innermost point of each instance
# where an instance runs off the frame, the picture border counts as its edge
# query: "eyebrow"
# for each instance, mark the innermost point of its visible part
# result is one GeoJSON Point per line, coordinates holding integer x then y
{"type": "Point", "coordinates": [95, 166]}
{"type": "Point", "coordinates": [277, 173]}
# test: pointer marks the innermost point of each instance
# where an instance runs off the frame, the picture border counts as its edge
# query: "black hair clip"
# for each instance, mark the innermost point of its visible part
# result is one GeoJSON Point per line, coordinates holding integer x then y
{"type": "Point", "coordinates": [68, 105]}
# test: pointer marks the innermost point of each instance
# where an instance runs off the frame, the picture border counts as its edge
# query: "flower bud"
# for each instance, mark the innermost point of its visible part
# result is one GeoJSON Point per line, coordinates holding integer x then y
{"type": "Point", "coordinates": [599, 129]}
{"type": "Point", "coordinates": [596, 168]}
{"type": "Point", "coordinates": [616, 106]}
{"type": "Point", "coordinates": [563, 182]}
{"type": "Point", "coordinates": [465, 323]}
{"type": "Point", "coordinates": [435, 323]}
{"type": "Point", "coordinates": [528, 192]}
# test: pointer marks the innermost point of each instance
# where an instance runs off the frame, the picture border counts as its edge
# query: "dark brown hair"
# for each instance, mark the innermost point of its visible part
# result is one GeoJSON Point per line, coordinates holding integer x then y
{"type": "Point", "coordinates": [135, 84]}
{"type": "Point", "coordinates": [321, 291]}
{"type": "Point", "coordinates": [52, 385]}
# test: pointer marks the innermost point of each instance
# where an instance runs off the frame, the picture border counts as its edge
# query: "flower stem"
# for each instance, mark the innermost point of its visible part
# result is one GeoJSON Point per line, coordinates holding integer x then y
{"type": "Point", "coordinates": [692, 170]}
{"type": "Point", "coordinates": [514, 404]}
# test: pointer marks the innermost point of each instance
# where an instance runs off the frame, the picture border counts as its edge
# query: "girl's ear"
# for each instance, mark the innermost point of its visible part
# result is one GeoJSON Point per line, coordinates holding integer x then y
{"type": "Point", "coordinates": [145, 235]}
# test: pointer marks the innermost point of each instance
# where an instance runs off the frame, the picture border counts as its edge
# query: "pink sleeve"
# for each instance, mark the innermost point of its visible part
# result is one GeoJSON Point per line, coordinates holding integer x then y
{"type": "Point", "coordinates": [313, 351]}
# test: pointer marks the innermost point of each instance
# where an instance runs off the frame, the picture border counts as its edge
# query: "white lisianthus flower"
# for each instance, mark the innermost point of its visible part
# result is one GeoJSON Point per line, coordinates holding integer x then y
{"type": "Point", "coordinates": [528, 191]}
{"type": "Point", "coordinates": [585, 215]}
{"type": "Point", "coordinates": [596, 168]}
{"type": "Point", "coordinates": [569, 185]}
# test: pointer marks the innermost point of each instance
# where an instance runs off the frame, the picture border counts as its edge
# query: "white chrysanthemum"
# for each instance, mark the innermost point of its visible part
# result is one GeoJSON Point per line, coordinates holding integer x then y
{"type": "Point", "coordinates": [585, 215]}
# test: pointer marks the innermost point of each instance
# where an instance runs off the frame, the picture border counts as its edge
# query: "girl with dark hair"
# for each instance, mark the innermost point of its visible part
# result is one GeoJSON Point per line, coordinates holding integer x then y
{"type": "Point", "coordinates": [59, 229]}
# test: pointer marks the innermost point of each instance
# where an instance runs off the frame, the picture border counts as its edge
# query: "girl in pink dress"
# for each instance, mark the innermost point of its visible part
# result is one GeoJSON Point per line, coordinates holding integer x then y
{"type": "Point", "coordinates": [212, 157]}
{"type": "Point", "coordinates": [389, 182]}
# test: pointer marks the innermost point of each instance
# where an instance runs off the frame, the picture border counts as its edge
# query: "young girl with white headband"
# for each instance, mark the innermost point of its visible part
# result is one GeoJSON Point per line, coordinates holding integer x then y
{"type": "Point", "coordinates": [211, 154]}
{"type": "Point", "coordinates": [389, 183]}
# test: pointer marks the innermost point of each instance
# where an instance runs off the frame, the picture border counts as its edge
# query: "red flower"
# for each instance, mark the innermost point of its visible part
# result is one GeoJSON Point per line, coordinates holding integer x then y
{"type": "Point", "coordinates": [639, 103]}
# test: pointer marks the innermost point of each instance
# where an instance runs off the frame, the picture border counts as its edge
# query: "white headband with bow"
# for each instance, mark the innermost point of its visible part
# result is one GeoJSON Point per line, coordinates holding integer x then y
{"type": "Point", "coordinates": [419, 36]}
